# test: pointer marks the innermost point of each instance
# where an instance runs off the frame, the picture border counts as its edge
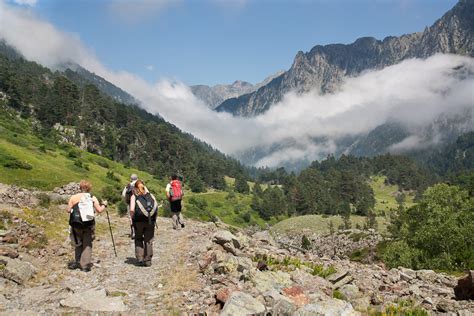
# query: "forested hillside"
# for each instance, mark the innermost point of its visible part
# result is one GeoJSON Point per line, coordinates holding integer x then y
{"type": "Point", "coordinates": [82, 115]}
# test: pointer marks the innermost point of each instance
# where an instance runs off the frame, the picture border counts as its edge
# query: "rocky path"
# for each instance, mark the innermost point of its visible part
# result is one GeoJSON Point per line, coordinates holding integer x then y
{"type": "Point", "coordinates": [170, 285]}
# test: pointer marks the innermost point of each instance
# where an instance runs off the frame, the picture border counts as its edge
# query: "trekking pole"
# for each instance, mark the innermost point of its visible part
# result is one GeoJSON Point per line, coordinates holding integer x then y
{"type": "Point", "coordinates": [112, 235]}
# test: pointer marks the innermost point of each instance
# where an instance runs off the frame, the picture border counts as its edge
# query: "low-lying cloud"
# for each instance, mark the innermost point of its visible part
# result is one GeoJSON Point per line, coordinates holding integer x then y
{"type": "Point", "coordinates": [414, 92]}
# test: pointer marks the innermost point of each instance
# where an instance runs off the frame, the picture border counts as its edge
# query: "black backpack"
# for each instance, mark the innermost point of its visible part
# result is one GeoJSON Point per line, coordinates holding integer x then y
{"type": "Point", "coordinates": [145, 208]}
{"type": "Point", "coordinates": [75, 219]}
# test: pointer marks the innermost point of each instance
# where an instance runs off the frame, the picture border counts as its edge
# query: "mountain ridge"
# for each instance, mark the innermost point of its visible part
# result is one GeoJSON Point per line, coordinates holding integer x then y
{"type": "Point", "coordinates": [324, 67]}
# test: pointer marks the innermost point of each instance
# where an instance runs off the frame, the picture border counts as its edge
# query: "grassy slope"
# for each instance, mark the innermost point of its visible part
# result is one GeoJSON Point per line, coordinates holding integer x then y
{"type": "Point", "coordinates": [385, 195]}
{"type": "Point", "coordinates": [52, 167]}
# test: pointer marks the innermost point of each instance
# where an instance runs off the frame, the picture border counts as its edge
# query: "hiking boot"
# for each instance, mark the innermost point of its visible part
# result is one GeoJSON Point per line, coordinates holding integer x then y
{"type": "Point", "coordinates": [73, 265]}
{"type": "Point", "coordinates": [140, 264]}
{"type": "Point", "coordinates": [182, 225]}
{"type": "Point", "coordinates": [86, 269]}
{"type": "Point", "coordinates": [147, 263]}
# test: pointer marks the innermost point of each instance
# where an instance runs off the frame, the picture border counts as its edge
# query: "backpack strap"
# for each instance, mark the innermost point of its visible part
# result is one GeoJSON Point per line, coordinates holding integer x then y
{"type": "Point", "coordinates": [144, 211]}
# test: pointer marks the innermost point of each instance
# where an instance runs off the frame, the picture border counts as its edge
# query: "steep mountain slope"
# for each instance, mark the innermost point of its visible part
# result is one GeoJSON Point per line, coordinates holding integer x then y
{"type": "Point", "coordinates": [80, 114]}
{"type": "Point", "coordinates": [324, 67]}
{"type": "Point", "coordinates": [215, 95]}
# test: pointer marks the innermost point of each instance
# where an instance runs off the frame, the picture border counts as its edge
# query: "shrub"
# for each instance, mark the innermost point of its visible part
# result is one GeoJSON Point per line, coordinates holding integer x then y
{"type": "Point", "coordinates": [73, 153]}
{"type": "Point", "coordinates": [111, 194]}
{"type": "Point", "coordinates": [103, 163]}
{"type": "Point", "coordinates": [122, 208]}
{"type": "Point", "coordinates": [44, 200]}
{"type": "Point", "coordinates": [14, 163]}
{"type": "Point", "coordinates": [305, 243]}
{"type": "Point", "coordinates": [436, 233]}
{"type": "Point", "coordinates": [111, 176]}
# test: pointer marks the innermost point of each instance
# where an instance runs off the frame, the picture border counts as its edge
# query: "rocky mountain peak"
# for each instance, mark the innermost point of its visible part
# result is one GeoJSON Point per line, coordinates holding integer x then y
{"type": "Point", "coordinates": [324, 67]}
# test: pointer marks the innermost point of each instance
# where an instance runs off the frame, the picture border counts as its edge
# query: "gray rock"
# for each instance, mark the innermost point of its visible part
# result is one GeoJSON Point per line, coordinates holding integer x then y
{"type": "Point", "coordinates": [283, 307]}
{"type": "Point", "coordinates": [427, 275]}
{"type": "Point", "coordinates": [350, 291]}
{"type": "Point", "coordinates": [240, 303]}
{"type": "Point", "coordinates": [223, 237]}
{"type": "Point", "coordinates": [265, 237]}
{"type": "Point", "coordinates": [94, 300]}
{"type": "Point", "coordinates": [329, 307]}
{"type": "Point", "coordinates": [335, 277]}
{"type": "Point", "coordinates": [265, 281]}
{"type": "Point", "coordinates": [346, 280]}
{"type": "Point", "coordinates": [16, 270]}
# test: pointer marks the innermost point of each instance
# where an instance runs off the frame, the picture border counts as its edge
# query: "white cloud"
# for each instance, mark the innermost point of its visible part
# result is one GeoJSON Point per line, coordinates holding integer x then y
{"type": "Point", "coordinates": [150, 67]}
{"type": "Point", "coordinates": [414, 91]}
{"type": "Point", "coordinates": [26, 2]}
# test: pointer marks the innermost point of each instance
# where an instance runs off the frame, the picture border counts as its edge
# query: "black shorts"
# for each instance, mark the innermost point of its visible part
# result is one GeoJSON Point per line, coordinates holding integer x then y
{"type": "Point", "coordinates": [175, 206]}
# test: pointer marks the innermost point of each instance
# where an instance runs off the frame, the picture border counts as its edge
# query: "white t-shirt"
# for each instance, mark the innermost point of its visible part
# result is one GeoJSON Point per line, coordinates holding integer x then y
{"type": "Point", "coordinates": [168, 188]}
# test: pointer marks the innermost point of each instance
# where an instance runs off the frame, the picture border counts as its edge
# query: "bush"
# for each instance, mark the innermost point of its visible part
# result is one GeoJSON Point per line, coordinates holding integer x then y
{"type": "Point", "coordinates": [111, 194]}
{"type": "Point", "coordinates": [305, 243]}
{"type": "Point", "coordinates": [73, 153]}
{"type": "Point", "coordinates": [14, 163]}
{"type": "Point", "coordinates": [44, 200]}
{"type": "Point", "coordinates": [111, 176]}
{"type": "Point", "coordinates": [103, 163]}
{"type": "Point", "coordinates": [437, 233]}
{"type": "Point", "coordinates": [122, 208]}
{"type": "Point", "coordinates": [79, 163]}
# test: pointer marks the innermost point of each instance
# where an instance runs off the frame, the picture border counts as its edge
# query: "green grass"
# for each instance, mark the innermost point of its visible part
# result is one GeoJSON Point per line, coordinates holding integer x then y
{"type": "Point", "coordinates": [217, 203]}
{"type": "Point", "coordinates": [319, 224]}
{"type": "Point", "coordinates": [385, 195]}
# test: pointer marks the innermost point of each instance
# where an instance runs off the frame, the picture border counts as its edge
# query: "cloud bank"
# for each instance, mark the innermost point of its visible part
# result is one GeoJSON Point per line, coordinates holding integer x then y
{"type": "Point", "coordinates": [413, 92]}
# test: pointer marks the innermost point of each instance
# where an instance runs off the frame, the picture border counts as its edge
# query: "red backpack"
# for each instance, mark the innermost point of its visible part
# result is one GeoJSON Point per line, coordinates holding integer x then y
{"type": "Point", "coordinates": [176, 192]}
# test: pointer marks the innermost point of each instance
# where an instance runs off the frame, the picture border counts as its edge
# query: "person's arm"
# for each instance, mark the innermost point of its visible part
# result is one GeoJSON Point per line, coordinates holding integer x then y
{"type": "Point", "coordinates": [124, 192]}
{"type": "Point", "coordinates": [70, 205]}
{"type": "Point", "coordinates": [132, 206]}
{"type": "Point", "coordinates": [168, 187]}
{"type": "Point", "coordinates": [99, 207]}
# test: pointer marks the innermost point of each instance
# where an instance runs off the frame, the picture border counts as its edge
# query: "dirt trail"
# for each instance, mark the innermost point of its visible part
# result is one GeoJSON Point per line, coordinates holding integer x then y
{"type": "Point", "coordinates": [170, 285]}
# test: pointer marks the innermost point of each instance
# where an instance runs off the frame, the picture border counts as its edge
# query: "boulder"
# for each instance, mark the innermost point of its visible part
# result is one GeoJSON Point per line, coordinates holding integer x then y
{"type": "Point", "coordinates": [16, 270]}
{"type": "Point", "coordinates": [8, 252]}
{"type": "Point", "coordinates": [223, 294]}
{"type": "Point", "coordinates": [311, 283]}
{"type": "Point", "coordinates": [335, 277]}
{"type": "Point", "coordinates": [94, 300]}
{"type": "Point", "coordinates": [329, 307]}
{"type": "Point", "coordinates": [223, 237]}
{"type": "Point", "coordinates": [464, 290]}
{"type": "Point", "coordinates": [283, 307]}
{"type": "Point", "coordinates": [346, 280]}
{"type": "Point", "coordinates": [426, 275]}
{"type": "Point", "coordinates": [296, 295]}
{"type": "Point", "coordinates": [265, 237]}
{"type": "Point", "coordinates": [240, 303]}
{"type": "Point", "coordinates": [264, 281]}
{"type": "Point", "coordinates": [350, 291]}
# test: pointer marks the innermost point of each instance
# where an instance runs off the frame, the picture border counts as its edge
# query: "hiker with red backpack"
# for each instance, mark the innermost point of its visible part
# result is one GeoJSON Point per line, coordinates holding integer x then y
{"type": "Point", "coordinates": [174, 193]}
{"type": "Point", "coordinates": [143, 211]}
{"type": "Point", "coordinates": [81, 208]}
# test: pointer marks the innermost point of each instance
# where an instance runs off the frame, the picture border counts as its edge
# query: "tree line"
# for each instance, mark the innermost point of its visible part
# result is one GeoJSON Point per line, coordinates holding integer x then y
{"type": "Point", "coordinates": [121, 132]}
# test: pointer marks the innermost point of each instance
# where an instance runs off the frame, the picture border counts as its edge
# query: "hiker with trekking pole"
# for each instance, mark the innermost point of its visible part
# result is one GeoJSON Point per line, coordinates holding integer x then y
{"type": "Point", "coordinates": [81, 209]}
{"type": "Point", "coordinates": [143, 211]}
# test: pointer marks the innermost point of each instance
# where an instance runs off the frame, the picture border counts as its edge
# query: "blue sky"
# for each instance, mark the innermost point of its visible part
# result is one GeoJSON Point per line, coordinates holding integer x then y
{"type": "Point", "coordinates": [219, 41]}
